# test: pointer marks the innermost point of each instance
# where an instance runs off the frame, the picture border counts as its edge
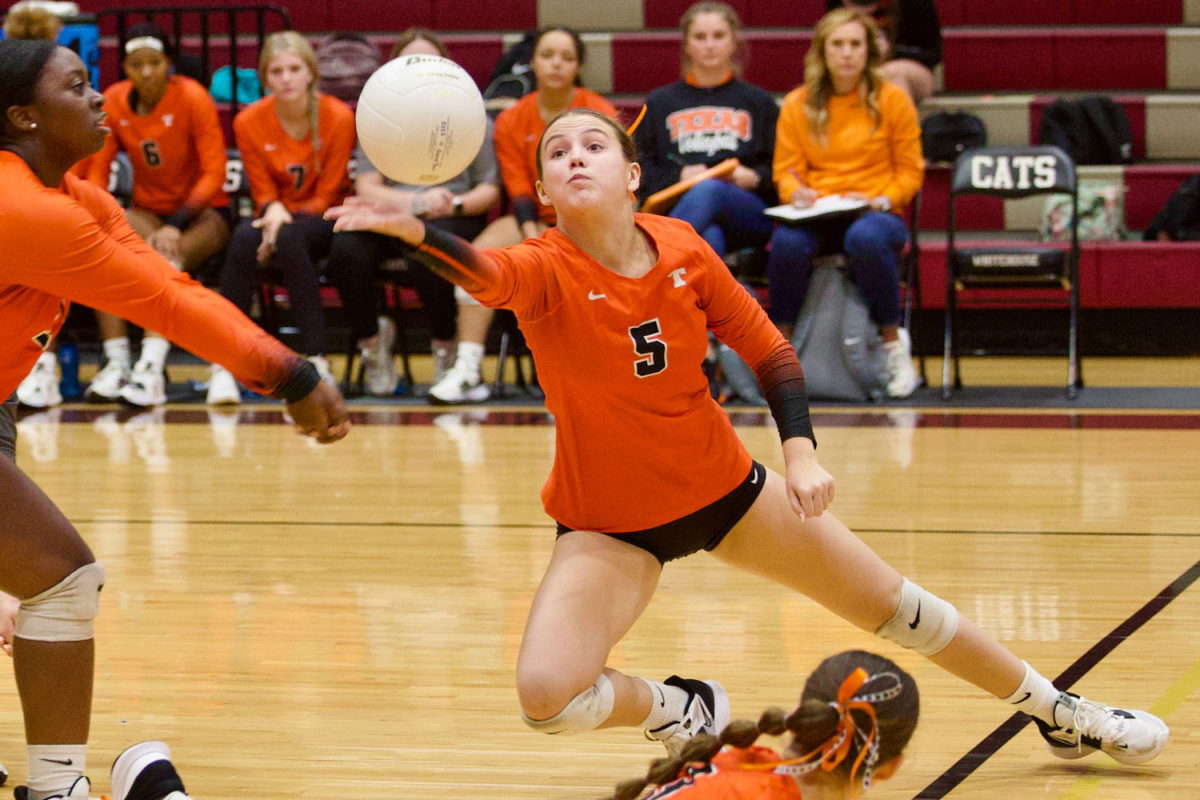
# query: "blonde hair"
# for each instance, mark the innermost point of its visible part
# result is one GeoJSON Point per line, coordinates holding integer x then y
{"type": "Point", "coordinates": [418, 34]}
{"type": "Point", "coordinates": [292, 42]}
{"type": "Point", "coordinates": [24, 21]}
{"type": "Point", "coordinates": [726, 12]}
{"type": "Point", "coordinates": [816, 71]}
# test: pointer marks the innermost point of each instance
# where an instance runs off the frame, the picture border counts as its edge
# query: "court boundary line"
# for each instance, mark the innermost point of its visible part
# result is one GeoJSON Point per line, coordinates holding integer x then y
{"type": "Point", "coordinates": [990, 744]}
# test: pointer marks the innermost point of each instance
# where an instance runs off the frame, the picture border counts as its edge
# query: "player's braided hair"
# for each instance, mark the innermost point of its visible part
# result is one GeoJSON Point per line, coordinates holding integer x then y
{"type": "Point", "coordinates": [858, 709]}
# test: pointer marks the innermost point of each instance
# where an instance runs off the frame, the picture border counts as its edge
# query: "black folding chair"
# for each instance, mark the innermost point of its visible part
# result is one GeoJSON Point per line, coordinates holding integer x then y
{"type": "Point", "coordinates": [1042, 272]}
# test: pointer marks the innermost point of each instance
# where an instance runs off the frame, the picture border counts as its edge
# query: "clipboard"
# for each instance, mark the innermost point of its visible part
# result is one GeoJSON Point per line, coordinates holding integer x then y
{"type": "Point", "coordinates": [663, 201]}
{"type": "Point", "coordinates": [831, 205]}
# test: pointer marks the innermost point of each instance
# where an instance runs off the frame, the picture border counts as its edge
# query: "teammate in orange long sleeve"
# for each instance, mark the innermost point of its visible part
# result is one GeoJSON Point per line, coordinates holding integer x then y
{"type": "Point", "coordinates": [616, 308]}
{"type": "Point", "coordinates": [167, 124]}
{"type": "Point", "coordinates": [65, 241]}
{"type": "Point", "coordinates": [295, 145]}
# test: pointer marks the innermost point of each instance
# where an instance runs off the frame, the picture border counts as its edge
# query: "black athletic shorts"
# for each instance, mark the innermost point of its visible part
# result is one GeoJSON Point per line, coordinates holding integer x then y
{"type": "Point", "coordinates": [700, 530]}
{"type": "Point", "coordinates": [8, 428]}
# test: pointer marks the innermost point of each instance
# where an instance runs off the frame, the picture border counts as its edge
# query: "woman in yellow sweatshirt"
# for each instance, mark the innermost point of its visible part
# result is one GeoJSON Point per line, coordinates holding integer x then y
{"type": "Point", "coordinates": [847, 132]}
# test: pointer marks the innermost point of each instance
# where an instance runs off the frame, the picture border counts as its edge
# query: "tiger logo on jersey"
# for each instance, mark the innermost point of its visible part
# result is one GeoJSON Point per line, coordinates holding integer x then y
{"type": "Point", "coordinates": [710, 129]}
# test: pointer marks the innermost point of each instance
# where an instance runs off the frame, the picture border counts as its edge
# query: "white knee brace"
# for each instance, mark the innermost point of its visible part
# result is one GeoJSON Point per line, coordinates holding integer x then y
{"type": "Point", "coordinates": [924, 622]}
{"type": "Point", "coordinates": [586, 711]}
{"type": "Point", "coordinates": [66, 611]}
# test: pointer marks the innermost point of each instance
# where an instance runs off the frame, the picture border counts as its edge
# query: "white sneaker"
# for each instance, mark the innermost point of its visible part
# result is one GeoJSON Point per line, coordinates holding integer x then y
{"type": "Point", "coordinates": [379, 365]}
{"type": "Point", "coordinates": [903, 375]}
{"type": "Point", "coordinates": [1130, 737]}
{"type": "Point", "coordinates": [222, 388]}
{"type": "Point", "coordinates": [323, 369]}
{"type": "Point", "coordinates": [40, 387]}
{"type": "Point", "coordinates": [106, 386]}
{"type": "Point", "coordinates": [80, 790]}
{"type": "Point", "coordinates": [147, 386]}
{"type": "Point", "coordinates": [460, 385]}
{"type": "Point", "coordinates": [145, 772]}
{"type": "Point", "coordinates": [707, 711]}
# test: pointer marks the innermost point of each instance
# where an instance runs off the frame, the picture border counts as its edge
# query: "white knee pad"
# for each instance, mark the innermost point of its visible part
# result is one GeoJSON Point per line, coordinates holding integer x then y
{"type": "Point", "coordinates": [586, 711]}
{"type": "Point", "coordinates": [924, 622]}
{"type": "Point", "coordinates": [463, 297]}
{"type": "Point", "coordinates": [66, 611]}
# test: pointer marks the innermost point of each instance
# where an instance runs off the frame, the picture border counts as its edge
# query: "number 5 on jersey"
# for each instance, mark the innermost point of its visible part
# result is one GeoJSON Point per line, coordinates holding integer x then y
{"type": "Point", "coordinates": [652, 351]}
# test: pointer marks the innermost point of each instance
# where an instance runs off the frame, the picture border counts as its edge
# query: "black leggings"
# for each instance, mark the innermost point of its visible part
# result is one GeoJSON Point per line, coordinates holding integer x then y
{"type": "Point", "coordinates": [299, 245]}
{"type": "Point", "coordinates": [356, 255]}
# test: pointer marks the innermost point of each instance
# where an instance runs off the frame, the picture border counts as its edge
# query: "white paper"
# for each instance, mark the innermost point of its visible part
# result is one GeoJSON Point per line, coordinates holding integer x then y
{"type": "Point", "coordinates": [823, 206]}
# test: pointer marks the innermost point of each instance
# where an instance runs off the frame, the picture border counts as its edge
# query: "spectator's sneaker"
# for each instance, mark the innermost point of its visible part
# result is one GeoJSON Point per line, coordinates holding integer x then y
{"type": "Point", "coordinates": [323, 369]}
{"type": "Point", "coordinates": [707, 711]}
{"type": "Point", "coordinates": [379, 366]}
{"type": "Point", "coordinates": [145, 772]}
{"type": "Point", "coordinates": [443, 362]}
{"type": "Point", "coordinates": [3, 774]}
{"type": "Point", "coordinates": [40, 387]}
{"type": "Point", "coordinates": [1084, 726]}
{"type": "Point", "coordinates": [147, 386]}
{"type": "Point", "coordinates": [106, 386]}
{"type": "Point", "coordinates": [902, 375]}
{"type": "Point", "coordinates": [222, 388]}
{"type": "Point", "coordinates": [459, 386]}
{"type": "Point", "coordinates": [80, 790]}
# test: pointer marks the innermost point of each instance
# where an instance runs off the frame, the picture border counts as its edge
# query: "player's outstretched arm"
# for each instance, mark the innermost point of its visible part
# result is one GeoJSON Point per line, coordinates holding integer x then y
{"type": "Point", "coordinates": [321, 414]}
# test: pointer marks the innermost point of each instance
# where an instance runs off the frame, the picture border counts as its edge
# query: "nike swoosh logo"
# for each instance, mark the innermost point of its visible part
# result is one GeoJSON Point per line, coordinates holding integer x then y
{"type": "Point", "coordinates": [662, 699]}
{"type": "Point", "coordinates": [754, 476]}
{"type": "Point", "coordinates": [66, 762]}
{"type": "Point", "coordinates": [1023, 699]}
{"type": "Point", "coordinates": [594, 295]}
{"type": "Point", "coordinates": [917, 619]}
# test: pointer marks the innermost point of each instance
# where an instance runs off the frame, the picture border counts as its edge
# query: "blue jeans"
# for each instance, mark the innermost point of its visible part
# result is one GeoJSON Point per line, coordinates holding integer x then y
{"type": "Point", "coordinates": [720, 211]}
{"type": "Point", "coordinates": [872, 244]}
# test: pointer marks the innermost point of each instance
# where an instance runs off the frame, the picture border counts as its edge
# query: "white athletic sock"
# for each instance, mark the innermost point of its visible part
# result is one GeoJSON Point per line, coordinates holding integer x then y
{"type": "Point", "coordinates": [53, 768]}
{"type": "Point", "coordinates": [117, 349]}
{"type": "Point", "coordinates": [154, 351]}
{"type": "Point", "coordinates": [667, 704]}
{"type": "Point", "coordinates": [470, 355]}
{"type": "Point", "coordinates": [1035, 696]}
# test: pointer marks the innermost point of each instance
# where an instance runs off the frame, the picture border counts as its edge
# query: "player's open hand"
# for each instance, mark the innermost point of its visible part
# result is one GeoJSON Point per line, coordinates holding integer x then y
{"type": "Point", "coordinates": [360, 214]}
{"type": "Point", "coordinates": [322, 414]}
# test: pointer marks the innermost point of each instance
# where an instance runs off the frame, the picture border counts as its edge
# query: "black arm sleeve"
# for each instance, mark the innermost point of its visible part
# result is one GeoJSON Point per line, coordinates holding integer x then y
{"type": "Point", "coordinates": [782, 382]}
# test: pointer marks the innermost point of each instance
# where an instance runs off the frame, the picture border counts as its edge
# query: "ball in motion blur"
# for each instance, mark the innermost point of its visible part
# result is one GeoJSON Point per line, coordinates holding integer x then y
{"type": "Point", "coordinates": [420, 119]}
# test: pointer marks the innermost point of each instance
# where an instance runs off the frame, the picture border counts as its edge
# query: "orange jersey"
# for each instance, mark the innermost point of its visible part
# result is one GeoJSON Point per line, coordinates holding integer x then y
{"type": "Point", "coordinates": [857, 153]}
{"type": "Point", "coordinates": [290, 170]}
{"type": "Point", "coordinates": [518, 129]}
{"type": "Point", "coordinates": [726, 779]}
{"type": "Point", "coordinates": [73, 244]}
{"type": "Point", "coordinates": [177, 151]}
{"type": "Point", "coordinates": [639, 440]}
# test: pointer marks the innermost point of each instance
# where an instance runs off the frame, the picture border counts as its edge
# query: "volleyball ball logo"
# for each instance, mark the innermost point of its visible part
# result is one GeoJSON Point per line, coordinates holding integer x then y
{"type": "Point", "coordinates": [420, 119]}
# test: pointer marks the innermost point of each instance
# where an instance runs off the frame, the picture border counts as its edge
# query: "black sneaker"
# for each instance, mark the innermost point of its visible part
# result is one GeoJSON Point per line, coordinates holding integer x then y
{"type": "Point", "coordinates": [707, 711]}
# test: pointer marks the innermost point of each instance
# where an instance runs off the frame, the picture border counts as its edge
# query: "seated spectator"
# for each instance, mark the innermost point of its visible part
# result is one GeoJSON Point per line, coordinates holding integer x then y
{"type": "Point", "coordinates": [557, 57]}
{"type": "Point", "coordinates": [295, 144]}
{"type": "Point", "coordinates": [857, 713]}
{"type": "Point", "coordinates": [459, 205]}
{"type": "Point", "coordinates": [848, 132]}
{"type": "Point", "coordinates": [708, 116]}
{"type": "Point", "coordinates": [167, 124]}
{"type": "Point", "coordinates": [910, 41]}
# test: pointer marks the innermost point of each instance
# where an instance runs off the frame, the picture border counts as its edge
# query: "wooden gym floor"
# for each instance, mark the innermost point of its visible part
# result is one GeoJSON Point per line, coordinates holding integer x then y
{"type": "Point", "coordinates": [317, 622]}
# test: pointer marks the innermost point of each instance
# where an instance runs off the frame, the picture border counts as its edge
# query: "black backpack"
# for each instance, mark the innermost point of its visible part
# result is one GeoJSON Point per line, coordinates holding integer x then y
{"type": "Point", "coordinates": [1092, 130]}
{"type": "Point", "coordinates": [1179, 218]}
{"type": "Point", "coordinates": [946, 134]}
{"type": "Point", "coordinates": [512, 78]}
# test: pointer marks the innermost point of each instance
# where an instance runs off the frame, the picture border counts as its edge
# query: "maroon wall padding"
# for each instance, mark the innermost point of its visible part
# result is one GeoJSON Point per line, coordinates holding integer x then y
{"type": "Point", "coordinates": [777, 59]}
{"type": "Point", "coordinates": [666, 13]}
{"type": "Point", "coordinates": [1123, 12]}
{"type": "Point", "coordinates": [776, 14]}
{"type": "Point", "coordinates": [1135, 109]}
{"type": "Point", "coordinates": [1111, 275]}
{"type": "Point", "coordinates": [1014, 59]}
{"type": "Point", "coordinates": [1148, 187]}
{"type": "Point", "coordinates": [482, 15]}
{"type": "Point", "coordinates": [644, 61]}
{"type": "Point", "coordinates": [1013, 12]}
{"type": "Point", "coordinates": [375, 16]}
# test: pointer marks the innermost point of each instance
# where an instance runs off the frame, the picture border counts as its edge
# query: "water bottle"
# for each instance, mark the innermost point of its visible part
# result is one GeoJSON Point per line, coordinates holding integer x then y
{"type": "Point", "coordinates": [68, 364]}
